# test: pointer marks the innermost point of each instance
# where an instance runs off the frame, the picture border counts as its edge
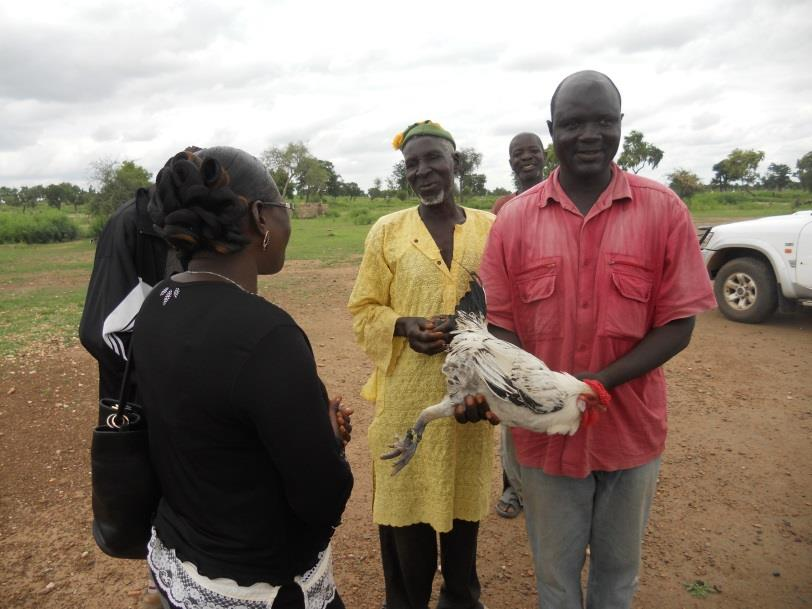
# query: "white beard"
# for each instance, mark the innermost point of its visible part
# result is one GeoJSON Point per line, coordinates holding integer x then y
{"type": "Point", "coordinates": [433, 200]}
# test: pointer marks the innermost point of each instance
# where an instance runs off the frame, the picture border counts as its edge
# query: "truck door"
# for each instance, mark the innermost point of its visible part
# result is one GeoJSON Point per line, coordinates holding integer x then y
{"type": "Point", "coordinates": [803, 265]}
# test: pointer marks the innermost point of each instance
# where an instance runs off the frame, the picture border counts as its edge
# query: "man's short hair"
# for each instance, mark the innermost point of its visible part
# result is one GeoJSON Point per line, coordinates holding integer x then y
{"type": "Point", "coordinates": [581, 73]}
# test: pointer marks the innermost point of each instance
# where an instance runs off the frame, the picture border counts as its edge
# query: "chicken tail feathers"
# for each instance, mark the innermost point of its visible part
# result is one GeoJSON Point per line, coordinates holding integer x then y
{"type": "Point", "coordinates": [474, 300]}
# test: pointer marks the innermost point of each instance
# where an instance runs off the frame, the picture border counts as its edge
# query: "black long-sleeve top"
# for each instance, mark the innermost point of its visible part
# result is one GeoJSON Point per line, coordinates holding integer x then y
{"type": "Point", "coordinates": [252, 476]}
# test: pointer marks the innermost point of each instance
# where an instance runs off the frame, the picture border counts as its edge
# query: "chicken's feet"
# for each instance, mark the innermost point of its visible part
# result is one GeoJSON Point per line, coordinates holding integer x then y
{"type": "Point", "coordinates": [407, 445]}
{"type": "Point", "coordinates": [403, 448]}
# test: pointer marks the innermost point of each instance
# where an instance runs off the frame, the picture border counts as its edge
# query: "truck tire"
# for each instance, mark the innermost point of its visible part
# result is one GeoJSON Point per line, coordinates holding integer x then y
{"type": "Point", "coordinates": [746, 290]}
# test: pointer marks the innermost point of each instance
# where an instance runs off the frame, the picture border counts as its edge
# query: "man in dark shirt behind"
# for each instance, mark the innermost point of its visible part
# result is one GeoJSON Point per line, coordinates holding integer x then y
{"type": "Point", "coordinates": [527, 162]}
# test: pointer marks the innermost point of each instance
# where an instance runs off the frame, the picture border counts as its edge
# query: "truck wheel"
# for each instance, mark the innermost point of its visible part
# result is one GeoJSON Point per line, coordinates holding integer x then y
{"type": "Point", "coordinates": [745, 290]}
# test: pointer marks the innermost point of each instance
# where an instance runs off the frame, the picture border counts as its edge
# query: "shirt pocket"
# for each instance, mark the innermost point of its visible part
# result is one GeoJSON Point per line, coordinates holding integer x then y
{"type": "Point", "coordinates": [627, 306]}
{"type": "Point", "coordinates": [539, 300]}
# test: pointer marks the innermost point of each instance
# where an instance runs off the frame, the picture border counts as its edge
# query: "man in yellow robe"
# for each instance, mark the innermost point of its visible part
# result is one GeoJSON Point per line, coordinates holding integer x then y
{"type": "Point", "coordinates": [416, 267]}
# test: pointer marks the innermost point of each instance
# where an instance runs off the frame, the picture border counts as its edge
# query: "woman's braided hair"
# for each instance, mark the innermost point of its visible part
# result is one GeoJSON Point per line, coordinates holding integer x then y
{"type": "Point", "coordinates": [199, 200]}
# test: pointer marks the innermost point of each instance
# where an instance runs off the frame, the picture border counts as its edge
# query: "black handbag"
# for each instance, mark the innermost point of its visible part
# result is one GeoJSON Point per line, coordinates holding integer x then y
{"type": "Point", "coordinates": [125, 488]}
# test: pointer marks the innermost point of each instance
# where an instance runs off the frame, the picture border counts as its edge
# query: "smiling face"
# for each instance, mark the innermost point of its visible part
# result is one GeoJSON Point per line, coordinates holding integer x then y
{"type": "Point", "coordinates": [527, 158]}
{"type": "Point", "coordinates": [586, 127]}
{"type": "Point", "coordinates": [430, 168]}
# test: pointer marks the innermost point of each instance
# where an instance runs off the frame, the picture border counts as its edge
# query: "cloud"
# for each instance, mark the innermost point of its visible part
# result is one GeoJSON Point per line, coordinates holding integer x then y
{"type": "Point", "coordinates": [14, 137]}
{"type": "Point", "coordinates": [532, 59]}
{"type": "Point", "coordinates": [704, 120]}
{"type": "Point", "coordinates": [104, 133]}
{"type": "Point", "coordinates": [57, 65]}
{"type": "Point", "coordinates": [142, 80]}
{"type": "Point", "coordinates": [640, 36]}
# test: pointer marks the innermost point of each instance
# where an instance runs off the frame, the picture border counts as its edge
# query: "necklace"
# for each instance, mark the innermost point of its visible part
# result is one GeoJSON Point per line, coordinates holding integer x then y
{"type": "Point", "coordinates": [220, 276]}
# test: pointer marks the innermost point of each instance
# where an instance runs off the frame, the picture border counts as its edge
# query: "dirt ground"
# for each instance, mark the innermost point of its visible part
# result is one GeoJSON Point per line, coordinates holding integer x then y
{"type": "Point", "coordinates": [733, 507]}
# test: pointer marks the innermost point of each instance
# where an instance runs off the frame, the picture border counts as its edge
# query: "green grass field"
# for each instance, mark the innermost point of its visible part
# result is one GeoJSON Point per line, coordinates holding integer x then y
{"type": "Point", "coordinates": [42, 287]}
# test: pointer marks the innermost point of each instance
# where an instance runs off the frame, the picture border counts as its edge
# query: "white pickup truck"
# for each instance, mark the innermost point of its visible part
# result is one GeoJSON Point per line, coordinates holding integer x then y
{"type": "Point", "coordinates": [760, 265]}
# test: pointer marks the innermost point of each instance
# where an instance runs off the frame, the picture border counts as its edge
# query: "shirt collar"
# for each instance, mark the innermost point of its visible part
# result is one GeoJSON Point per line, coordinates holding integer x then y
{"type": "Point", "coordinates": [617, 190]}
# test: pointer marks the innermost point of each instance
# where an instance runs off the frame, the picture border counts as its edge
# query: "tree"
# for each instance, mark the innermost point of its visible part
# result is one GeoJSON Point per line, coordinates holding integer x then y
{"type": "Point", "coordinates": [8, 195]}
{"type": "Point", "coordinates": [27, 196]}
{"type": "Point", "coordinates": [279, 178]}
{"type": "Point", "coordinates": [65, 192]}
{"type": "Point", "coordinates": [685, 183]}
{"type": "Point", "coordinates": [376, 192]}
{"type": "Point", "coordinates": [352, 190]}
{"type": "Point", "coordinates": [475, 184]}
{"type": "Point", "coordinates": [550, 161]}
{"type": "Point", "coordinates": [288, 164]}
{"type": "Point", "coordinates": [740, 166]}
{"type": "Point", "coordinates": [397, 184]}
{"type": "Point", "coordinates": [778, 176]}
{"type": "Point", "coordinates": [637, 153]}
{"type": "Point", "coordinates": [499, 192]}
{"type": "Point", "coordinates": [720, 176]}
{"type": "Point", "coordinates": [470, 161]}
{"type": "Point", "coordinates": [117, 183]}
{"type": "Point", "coordinates": [313, 177]}
{"type": "Point", "coordinates": [334, 184]}
{"type": "Point", "coordinates": [804, 172]}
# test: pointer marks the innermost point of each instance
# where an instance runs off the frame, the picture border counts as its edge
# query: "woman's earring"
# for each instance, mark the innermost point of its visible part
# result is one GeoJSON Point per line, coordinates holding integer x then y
{"type": "Point", "coordinates": [266, 240]}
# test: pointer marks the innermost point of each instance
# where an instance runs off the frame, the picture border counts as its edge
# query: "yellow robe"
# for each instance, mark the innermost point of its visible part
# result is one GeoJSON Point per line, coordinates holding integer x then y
{"type": "Point", "coordinates": [403, 275]}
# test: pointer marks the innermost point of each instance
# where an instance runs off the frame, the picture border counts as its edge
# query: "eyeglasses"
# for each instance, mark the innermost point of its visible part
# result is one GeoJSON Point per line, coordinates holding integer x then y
{"type": "Point", "coordinates": [284, 204]}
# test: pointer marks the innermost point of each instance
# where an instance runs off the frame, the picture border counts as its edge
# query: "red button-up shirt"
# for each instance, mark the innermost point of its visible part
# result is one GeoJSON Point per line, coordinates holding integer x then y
{"type": "Point", "coordinates": [582, 291]}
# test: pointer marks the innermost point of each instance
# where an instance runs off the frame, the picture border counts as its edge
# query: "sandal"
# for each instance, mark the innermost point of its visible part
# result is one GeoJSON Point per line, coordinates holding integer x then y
{"type": "Point", "coordinates": [151, 598]}
{"type": "Point", "coordinates": [509, 504]}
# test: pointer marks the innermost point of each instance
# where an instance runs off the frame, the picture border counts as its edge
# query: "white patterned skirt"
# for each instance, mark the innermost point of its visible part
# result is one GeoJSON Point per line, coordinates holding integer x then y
{"type": "Point", "coordinates": [185, 587]}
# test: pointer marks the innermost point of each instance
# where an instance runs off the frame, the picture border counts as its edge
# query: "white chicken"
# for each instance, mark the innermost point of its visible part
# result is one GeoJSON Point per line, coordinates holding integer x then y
{"type": "Point", "coordinates": [520, 389]}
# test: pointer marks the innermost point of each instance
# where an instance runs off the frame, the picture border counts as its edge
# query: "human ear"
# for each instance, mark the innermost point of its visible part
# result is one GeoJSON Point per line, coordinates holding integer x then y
{"type": "Point", "coordinates": [550, 127]}
{"type": "Point", "coordinates": [257, 221]}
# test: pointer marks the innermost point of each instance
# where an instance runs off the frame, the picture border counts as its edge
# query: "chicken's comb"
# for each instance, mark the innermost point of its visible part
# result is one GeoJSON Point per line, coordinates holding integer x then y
{"type": "Point", "coordinates": [604, 397]}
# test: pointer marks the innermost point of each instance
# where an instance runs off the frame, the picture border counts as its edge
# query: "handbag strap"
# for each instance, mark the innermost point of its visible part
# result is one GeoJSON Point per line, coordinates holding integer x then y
{"type": "Point", "coordinates": [125, 381]}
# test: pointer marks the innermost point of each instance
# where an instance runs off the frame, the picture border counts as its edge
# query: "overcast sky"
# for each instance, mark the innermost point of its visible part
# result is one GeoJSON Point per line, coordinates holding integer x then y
{"type": "Point", "coordinates": [82, 81]}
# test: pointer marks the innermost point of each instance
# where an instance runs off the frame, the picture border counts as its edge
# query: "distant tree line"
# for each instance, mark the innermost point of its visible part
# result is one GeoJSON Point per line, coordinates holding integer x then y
{"type": "Point", "coordinates": [298, 173]}
{"type": "Point", "coordinates": [113, 184]}
{"type": "Point", "coordinates": [739, 171]}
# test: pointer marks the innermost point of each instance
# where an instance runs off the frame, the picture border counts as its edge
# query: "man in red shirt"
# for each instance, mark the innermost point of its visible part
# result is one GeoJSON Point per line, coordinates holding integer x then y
{"type": "Point", "coordinates": [527, 162]}
{"type": "Point", "coordinates": [598, 273]}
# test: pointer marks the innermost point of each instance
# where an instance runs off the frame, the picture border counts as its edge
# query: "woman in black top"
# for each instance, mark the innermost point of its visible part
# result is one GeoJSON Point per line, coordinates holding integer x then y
{"type": "Point", "coordinates": [247, 447]}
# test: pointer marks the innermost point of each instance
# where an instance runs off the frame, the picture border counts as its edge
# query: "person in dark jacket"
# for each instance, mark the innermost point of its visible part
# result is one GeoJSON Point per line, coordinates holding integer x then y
{"type": "Point", "coordinates": [130, 259]}
{"type": "Point", "coordinates": [247, 447]}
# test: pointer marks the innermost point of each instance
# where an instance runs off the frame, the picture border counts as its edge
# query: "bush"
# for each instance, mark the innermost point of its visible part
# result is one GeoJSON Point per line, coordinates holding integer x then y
{"type": "Point", "coordinates": [41, 226]}
{"type": "Point", "coordinates": [360, 216]}
{"type": "Point", "coordinates": [96, 226]}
